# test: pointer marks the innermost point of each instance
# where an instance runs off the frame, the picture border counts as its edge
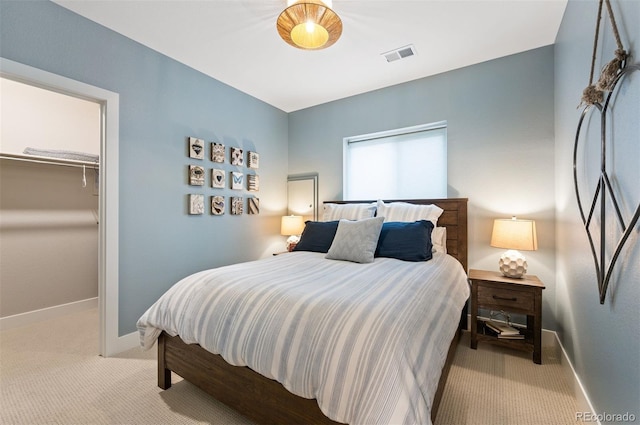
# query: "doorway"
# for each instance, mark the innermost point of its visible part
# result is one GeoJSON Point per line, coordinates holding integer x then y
{"type": "Point", "coordinates": [49, 146]}
{"type": "Point", "coordinates": [107, 189]}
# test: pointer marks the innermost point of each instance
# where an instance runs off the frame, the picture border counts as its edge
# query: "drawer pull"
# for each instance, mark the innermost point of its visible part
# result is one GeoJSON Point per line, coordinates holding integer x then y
{"type": "Point", "coordinates": [495, 297]}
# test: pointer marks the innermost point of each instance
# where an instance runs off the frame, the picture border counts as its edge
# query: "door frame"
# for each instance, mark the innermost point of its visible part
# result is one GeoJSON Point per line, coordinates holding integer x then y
{"type": "Point", "coordinates": [110, 342]}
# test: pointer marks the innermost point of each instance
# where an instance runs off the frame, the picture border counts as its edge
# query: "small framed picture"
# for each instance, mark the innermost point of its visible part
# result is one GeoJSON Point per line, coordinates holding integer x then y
{"type": "Point", "coordinates": [196, 148]}
{"type": "Point", "coordinates": [218, 178]}
{"type": "Point", "coordinates": [237, 180]}
{"type": "Point", "coordinates": [196, 204]}
{"type": "Point", "coordinates": [253, 206]}
{"type": "Point", "coordinates": [253, 160]}
{"type": "Point", "coordinates": [237, 205]}
{"type": "Point", "coordinates": [217, 205]}
{"type": "Point", "coordinates": [217, 152]}
{"type": "Point", "coordinates": [236, 156]}
{"type": "Point", "coordinates": [196, 175]}
{"type": "Point", "coordinates": [253, 182]}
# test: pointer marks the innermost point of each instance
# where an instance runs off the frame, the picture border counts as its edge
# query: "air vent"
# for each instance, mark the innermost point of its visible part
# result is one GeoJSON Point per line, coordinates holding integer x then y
{"type": "Point", "coordinates": [400, 53]}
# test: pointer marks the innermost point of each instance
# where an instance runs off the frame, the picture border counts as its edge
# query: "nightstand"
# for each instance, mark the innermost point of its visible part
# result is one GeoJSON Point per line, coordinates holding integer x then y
{"type": "Point", "coordinates": [493, 291]}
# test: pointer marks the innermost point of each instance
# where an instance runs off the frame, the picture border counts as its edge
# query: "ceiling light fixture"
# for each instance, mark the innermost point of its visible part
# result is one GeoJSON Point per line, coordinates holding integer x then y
{"type": "Point", "coordinates": [309, 24]}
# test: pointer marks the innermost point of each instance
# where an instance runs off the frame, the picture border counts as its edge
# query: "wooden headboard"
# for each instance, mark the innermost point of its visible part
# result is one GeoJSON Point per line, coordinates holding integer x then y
{"type": "Point", "coordinates": [454, 218]}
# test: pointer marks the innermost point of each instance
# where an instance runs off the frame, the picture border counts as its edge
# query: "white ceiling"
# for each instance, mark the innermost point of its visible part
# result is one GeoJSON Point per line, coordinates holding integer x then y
{"type": "Point", "coordinates": [236, 41]}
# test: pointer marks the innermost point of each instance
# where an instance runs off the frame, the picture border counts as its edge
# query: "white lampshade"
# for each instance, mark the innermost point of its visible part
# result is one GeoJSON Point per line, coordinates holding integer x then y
{"type": "Point", "coordinates": [291, 225]}
{"type": "Point", "coordinates": [514, 235]}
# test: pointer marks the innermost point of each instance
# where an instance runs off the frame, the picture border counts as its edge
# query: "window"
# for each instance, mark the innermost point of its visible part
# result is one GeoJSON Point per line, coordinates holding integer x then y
{"type": "Point", "coordinates": [407, 163]}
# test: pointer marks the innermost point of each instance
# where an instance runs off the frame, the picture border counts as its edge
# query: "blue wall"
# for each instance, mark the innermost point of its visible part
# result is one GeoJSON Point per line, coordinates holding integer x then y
{"type": "Point", "coordinates": [501, 115]}
{"type": "Point", "coordinates": [602, 341]}
{"type": "Point", "coordinates": [162, 102]}
{"type": "Point", "coordinates": [500, 146]}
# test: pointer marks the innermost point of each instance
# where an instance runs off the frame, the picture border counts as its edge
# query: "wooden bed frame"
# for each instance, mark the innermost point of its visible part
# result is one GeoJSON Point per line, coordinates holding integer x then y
{"type": "Point", "coordinates": [266, 401]}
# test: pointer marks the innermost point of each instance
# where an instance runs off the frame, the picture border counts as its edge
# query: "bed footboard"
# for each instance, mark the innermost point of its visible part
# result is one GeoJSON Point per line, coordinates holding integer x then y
{"type": "Point", "coordinates": [260, 399]}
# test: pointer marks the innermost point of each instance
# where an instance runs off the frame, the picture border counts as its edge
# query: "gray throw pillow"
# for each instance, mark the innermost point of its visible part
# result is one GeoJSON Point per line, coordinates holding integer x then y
{"type": "Point", "coordinates": [356, 240]}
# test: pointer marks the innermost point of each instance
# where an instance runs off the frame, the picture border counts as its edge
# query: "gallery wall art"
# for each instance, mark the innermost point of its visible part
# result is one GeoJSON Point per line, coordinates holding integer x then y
{"type": "Point", "coordinates": [254, 206]}
{"type": "Point", "coordinates": [196, 204]}
{"type": "Point", "coordinates": [196, 175]}
{"type": "Point", "coordinates": [237, 180]}
{"type": "Point", "coordinates": [196, 148]}
{"type": "Point", "coordinates": [253, 183]}
{"type": "Point", "coordinates": [253, 160]}
{"type": "Point", "coordinates": [218, 178]}
{"type": "Point", "coordinates": [236, 156]}
{"type": "Point", "coordinates": [220, 172]}
{"type": "Point", "coordinates": [237, 205]}
{"type": "Point", "coordinates": [217, 152]}
{"type": "Point", "coordinates": [217, 205]}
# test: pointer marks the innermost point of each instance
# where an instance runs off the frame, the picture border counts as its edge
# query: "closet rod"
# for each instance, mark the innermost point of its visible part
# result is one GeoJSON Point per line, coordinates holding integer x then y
{"type": "Point", "coordinates": [50, 161]}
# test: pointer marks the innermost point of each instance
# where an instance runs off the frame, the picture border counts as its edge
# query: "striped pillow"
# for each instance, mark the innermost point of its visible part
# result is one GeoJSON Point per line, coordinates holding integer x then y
{"type": "Point", "coordinates": [334, 212]}
{"type": "Point", "coordinates": [405, 212]}
{"type": "Point", "coordinates": [439, 239]}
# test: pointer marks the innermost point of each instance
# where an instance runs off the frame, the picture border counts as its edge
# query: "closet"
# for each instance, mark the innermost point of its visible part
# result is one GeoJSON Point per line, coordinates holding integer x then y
{"type": "Point", "coordinates": [48, 200]}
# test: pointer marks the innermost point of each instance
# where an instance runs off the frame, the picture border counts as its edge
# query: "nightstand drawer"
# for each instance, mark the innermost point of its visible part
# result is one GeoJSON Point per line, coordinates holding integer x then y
{"type": "Point", "coordinates": [505, 298]}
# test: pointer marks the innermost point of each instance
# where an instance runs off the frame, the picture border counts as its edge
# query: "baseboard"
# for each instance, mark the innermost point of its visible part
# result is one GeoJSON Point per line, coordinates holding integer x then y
{"type": "Point", "coordinates": [583, 404]}
{"type": "Point", "coordinates": [124, 343]}
{"type": "Point", "coordinates": [23, 319]}
{"type": "Point", "coordinates": [550, 339]}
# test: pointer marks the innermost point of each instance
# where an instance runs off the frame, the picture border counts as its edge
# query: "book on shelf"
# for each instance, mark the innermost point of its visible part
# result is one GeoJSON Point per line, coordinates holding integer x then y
{"type": "Point", "coordinates": [502, 328]}
{"type": "Point", "coordinates": [518, 336]}
{"type": "Point", "coordinates": [486, 330]}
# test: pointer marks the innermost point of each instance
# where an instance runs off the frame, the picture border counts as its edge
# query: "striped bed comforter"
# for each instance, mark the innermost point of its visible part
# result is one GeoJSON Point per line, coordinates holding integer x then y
{"type": "Point", "coordinates": [368, 341]}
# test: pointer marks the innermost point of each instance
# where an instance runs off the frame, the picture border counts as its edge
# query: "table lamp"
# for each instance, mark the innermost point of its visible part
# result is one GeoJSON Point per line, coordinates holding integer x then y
{"type": "Point", "coordinates": [514, 235]}
{"type": "Point", "coordinates": [292, 226]}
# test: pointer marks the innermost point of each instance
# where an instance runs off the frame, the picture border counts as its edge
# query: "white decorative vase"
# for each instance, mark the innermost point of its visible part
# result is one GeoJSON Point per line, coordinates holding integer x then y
{"type": "Point", "coordinates": [513, 264]}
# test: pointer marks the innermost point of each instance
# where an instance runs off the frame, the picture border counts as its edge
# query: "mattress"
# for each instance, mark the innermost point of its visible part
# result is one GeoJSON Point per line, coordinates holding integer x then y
{"type": "Point", "coordinates": [367, 341]}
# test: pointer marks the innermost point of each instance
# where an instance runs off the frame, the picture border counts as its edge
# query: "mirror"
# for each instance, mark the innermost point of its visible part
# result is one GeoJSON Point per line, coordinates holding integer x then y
{"type": "Point", "coordinates": [302, 195]}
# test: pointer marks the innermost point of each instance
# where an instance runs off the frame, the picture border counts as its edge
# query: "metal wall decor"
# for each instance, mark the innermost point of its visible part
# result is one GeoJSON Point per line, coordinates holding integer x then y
{"type": "Point", "coordinates": [599, 97]}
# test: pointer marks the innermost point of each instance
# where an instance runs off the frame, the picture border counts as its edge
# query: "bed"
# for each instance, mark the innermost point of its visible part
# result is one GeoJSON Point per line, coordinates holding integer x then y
{"type": "Point", "coordinates": [386, 370]}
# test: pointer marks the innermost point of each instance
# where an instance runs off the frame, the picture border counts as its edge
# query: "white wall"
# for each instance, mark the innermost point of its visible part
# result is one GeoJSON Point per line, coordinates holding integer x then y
{"type": "Point", "coordinates": [37, 118]}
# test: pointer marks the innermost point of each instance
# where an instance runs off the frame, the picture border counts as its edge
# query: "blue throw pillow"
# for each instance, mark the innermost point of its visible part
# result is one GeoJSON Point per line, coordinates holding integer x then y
{"type": "Point", "coordinates": [406, 241]}
{"type": "Point", "coordinates": [317, 236]}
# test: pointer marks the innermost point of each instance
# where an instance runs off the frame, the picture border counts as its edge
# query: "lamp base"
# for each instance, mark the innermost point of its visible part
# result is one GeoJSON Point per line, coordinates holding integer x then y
{"type": "Point", "coordinates": [513, 264]}
{"type": "Point", "coordinates": [292, 241]}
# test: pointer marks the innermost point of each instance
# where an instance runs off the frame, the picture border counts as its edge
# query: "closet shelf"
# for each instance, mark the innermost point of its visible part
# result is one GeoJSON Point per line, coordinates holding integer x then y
{"type": "Point", "coordinates": [49, 160]}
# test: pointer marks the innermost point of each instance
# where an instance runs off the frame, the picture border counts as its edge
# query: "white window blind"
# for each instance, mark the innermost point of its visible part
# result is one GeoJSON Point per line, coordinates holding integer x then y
{"type": "Point", "coordinates": [406, 163]}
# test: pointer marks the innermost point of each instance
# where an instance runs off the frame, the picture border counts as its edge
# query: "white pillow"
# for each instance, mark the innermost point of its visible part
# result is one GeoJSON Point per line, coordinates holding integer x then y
{"type": "Point", "coordinates": [333, 212]}
{"type": "Point", "coordinates": [408, 213]}
{"type": "Point", "coordinates": [356, 240]}
{"type": "Point", "coordinates": [439, 239]}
